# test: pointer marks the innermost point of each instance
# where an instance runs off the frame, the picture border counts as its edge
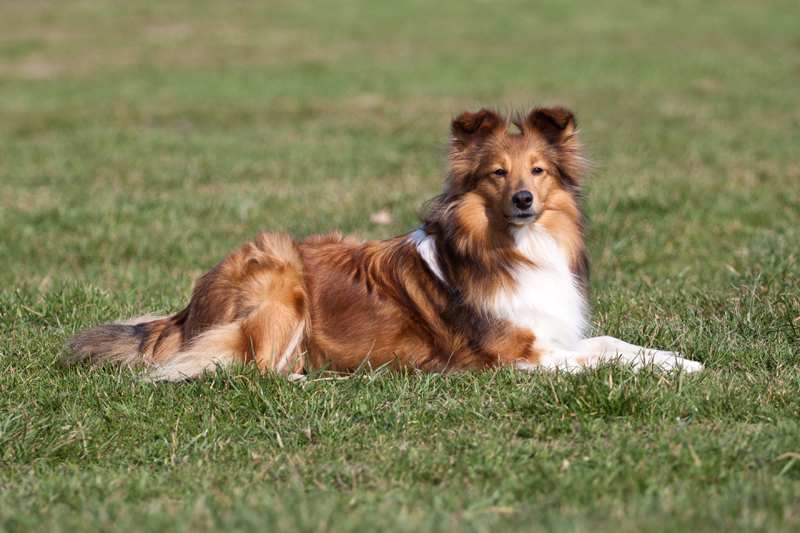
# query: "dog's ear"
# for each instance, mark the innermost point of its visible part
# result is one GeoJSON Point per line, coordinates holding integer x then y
{"type": "Point", "coordinates": [472, 129]}
{"type": "Point", "coordinates": [556, 124]}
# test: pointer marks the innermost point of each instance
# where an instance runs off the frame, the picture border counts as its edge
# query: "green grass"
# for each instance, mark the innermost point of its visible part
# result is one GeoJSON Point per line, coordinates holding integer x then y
{"type": "Point", "coordinates": [141, 141]}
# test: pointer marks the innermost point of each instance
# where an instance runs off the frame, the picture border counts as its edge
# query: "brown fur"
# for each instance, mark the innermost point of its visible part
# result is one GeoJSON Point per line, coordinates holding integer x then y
{"type": "Point", "coordinates": [333, 302]}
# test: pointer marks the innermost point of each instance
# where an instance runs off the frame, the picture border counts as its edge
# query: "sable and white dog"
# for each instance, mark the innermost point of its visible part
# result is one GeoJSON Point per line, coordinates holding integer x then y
{"type": "Point", "coordinates": [496, 275]}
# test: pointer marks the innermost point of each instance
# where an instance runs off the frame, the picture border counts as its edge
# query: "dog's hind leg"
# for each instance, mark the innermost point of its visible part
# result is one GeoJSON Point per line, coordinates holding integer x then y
{"type": "Point", "coordinates": [273, 336]}
{"type": "Point", "coordinates": [251, 307]}
{"type": "Point", "coordinates": [274, 302]}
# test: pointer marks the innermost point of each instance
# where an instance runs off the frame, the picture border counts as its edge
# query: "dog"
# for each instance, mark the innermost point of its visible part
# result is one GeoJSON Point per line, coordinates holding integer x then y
{"type": "Point", "coordinates": [496, 275]}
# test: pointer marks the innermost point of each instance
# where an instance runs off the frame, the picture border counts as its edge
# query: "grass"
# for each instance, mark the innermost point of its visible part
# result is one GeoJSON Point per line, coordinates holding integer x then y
{"type": "Point", "coordinates": [141, 141]}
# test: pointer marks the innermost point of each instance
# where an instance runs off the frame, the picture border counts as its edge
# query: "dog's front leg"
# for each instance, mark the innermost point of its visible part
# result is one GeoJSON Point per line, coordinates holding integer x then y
{"type": "Point", "coordinates": [593, 352]}
{"type": "Point", "coordinates": [612, 345]}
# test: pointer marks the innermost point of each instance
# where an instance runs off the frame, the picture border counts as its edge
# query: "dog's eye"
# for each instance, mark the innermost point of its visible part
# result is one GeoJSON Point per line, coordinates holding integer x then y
{"type": "Point", "coordinates": [499, 172]}
{"type": "Point", "coordinates": [537, 170]}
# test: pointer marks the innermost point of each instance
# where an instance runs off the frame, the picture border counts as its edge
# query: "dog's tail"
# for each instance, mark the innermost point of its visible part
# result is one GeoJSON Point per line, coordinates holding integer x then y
{"type": "Point", "coordinates": [125, 342]}
{"type": "Point", "coordinates": [251, 307]}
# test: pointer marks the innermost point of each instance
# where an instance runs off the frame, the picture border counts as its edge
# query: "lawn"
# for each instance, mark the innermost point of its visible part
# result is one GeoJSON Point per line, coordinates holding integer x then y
{"type": "Point", "coordinates": [141, 141]}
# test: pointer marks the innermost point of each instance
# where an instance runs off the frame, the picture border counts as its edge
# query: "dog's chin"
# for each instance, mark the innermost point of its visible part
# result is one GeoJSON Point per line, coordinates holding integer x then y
{"type": "Point", "coordinates": [521, 219]}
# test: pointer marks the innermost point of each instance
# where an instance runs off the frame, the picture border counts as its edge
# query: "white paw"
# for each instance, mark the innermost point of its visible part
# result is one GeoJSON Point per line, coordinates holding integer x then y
{"type": "Point", "coordinates": [671, 361]}
{"type": "Point", "coordinates": [688, 366]}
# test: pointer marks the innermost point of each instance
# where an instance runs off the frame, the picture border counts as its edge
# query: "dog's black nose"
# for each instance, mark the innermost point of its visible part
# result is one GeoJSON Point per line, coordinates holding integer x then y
{"type": "Point", "coordinates": [522, 200]}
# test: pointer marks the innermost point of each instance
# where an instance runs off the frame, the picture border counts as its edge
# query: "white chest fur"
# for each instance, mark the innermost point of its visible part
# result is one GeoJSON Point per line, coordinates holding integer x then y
{"type": "Point", "coordinates": [547, 299]}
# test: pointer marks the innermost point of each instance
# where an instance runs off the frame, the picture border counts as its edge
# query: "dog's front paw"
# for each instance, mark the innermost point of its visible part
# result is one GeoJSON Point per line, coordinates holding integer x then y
{"type": "Point", "coordinates": [673, 361]}
{"type": "Point", "coordinates": [688, 366]}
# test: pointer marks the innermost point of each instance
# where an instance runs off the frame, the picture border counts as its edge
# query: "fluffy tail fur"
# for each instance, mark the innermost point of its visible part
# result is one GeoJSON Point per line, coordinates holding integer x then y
{"type": "Point", "coordinates": [253, 306]}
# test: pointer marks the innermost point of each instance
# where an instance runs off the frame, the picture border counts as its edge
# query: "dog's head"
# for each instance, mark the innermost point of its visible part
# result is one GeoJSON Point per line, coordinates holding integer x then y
{"type": "Point", "coordinates": [519, 176]}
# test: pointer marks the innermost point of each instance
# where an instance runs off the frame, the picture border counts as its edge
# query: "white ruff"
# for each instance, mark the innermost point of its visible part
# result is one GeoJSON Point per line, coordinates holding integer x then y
{"type": "Point", "coordinates": [426, 247]}
{"type": "Point", "coordinates": [547, 299]}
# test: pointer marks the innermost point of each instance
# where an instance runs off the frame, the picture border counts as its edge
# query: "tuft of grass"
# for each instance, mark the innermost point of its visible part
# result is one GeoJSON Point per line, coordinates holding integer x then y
{"type": "Point", "coordinates": [141, 141]}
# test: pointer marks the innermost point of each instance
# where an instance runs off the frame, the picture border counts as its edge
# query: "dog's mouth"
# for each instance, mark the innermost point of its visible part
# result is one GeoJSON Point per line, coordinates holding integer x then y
{"type": "Point", "coordinates": [522, 217]}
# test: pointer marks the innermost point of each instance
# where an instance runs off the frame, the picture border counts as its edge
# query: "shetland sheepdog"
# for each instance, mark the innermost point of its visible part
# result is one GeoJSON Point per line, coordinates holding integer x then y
{"type": "Point", "coordinates": [495, 275]}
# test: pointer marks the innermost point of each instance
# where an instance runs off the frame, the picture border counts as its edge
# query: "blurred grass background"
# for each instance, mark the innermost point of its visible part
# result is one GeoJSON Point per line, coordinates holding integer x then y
{"type": "Point", "coordinates": [148, 139]}
{"type": "Point", "coordinates": [140, 141]}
